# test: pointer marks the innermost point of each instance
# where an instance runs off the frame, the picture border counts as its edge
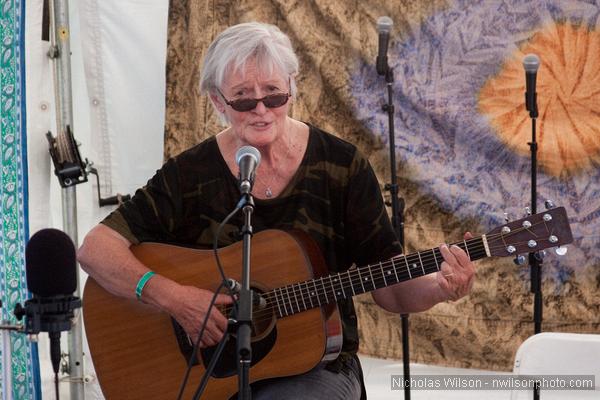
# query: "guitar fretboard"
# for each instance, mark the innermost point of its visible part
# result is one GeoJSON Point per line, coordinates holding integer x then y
{"type": "Point", "coordinates": [299, 297]}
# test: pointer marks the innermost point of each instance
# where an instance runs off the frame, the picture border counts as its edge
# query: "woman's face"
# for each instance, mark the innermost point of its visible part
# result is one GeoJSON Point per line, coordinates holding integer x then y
{"type": "Point", "coordinates": [260, 126]}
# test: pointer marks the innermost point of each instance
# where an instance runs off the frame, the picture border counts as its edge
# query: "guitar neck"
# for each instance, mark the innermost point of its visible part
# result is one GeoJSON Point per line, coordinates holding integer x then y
{"type": "Point", "coordinates": [292, 299]}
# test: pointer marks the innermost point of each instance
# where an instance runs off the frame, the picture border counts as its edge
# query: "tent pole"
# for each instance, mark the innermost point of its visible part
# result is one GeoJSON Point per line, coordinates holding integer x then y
{"type": "Point", "coordinates": [60, 53]}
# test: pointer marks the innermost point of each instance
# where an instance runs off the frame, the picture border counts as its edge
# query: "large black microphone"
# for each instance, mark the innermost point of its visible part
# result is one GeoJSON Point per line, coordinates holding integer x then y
{"type": "Point", "coordinates": [247, 159]}
{"type": "Point", "coordinates": [51, 269]}
{"type": "Point", "coordinates": [531, 63]}
{"type": "Point", "coordinates": [384, 26]}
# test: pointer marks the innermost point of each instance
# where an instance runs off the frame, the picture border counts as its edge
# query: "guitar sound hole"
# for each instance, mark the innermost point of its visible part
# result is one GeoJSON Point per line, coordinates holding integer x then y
{"type": "Point", "coordinates": [264, 336]}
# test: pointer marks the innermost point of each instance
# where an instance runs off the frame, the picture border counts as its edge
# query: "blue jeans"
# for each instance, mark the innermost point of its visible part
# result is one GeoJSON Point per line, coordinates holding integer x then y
{"type": "Point", "coordinates": [317, 384]}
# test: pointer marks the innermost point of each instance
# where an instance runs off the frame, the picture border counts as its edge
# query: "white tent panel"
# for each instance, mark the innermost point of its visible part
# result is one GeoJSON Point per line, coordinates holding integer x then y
{"type": "Point", "coordinates": [40, 116]}
{"type": "Point", "coordinates": [124, 53]}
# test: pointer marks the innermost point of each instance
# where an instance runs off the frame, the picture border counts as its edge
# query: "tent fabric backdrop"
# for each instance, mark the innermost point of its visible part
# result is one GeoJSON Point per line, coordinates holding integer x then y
{"type": "Point", "coordinates": [20, 374]}
{"type": "Point", "coordinates": [461, 142]}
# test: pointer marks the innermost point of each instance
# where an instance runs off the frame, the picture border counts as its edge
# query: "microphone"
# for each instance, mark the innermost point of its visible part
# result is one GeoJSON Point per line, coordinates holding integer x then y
{"type": "Point", "coordinates": [531, 63]}
{"type": "Point", "coordinates": [247, 159]}
{"type": "Point", "coordinates": [51, 269]}
{"type": "Point", "coordinates": [384, 26]}
{"type": "Point", "coordinates": [257, 299]}
{"type": "Point", "coordinates": [50, 264]}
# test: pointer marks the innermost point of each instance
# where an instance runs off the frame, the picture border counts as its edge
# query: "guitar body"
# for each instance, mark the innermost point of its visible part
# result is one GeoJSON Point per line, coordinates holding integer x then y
{"type": "Point", "coordinates": [139, 352]}
{"type": "Point", "coordinates": [134, 346]}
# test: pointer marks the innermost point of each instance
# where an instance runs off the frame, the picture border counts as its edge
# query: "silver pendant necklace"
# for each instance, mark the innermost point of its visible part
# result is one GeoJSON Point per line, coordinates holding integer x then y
{"type": "Point", "coordinates": [268, 190]}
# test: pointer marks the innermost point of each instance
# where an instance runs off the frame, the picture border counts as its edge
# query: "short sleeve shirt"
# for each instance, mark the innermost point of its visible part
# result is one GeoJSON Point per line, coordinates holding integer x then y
{"type": "Point", "coordinates": [334, 197]}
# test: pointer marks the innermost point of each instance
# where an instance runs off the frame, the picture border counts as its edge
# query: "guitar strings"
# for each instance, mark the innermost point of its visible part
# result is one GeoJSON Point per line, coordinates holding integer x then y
{"type": "Point", "coordinates": [377, 277]}
{"type": "Point", "coordinates": [322, 288]}
{"type": "Point", "coordinates": [426, 256]}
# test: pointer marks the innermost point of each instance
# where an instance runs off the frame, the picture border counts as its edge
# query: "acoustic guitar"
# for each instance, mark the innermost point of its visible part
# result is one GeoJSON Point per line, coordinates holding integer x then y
{"type": "Point", "coordinates": [140, 352]}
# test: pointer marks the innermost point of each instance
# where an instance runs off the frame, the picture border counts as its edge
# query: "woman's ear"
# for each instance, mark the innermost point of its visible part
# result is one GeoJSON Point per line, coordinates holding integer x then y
{"type": "Point", "coordinates": [217, 102]}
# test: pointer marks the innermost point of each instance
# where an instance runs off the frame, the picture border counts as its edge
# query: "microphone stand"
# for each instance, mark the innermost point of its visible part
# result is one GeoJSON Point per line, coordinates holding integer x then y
{"type": "Point", "coordinates": [71, 172]}
{"type": "Point", "coordinates": [397, 204]}
{"type": "Point", "coordinates": [244, 316]}
{"type": "Point", "coordinates": [241, 324]}
{"type": "Point", "coordinates": [535, 258]}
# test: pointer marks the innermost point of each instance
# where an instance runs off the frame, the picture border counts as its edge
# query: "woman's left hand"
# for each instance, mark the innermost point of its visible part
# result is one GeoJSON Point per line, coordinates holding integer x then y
{"type": "Point", "coordinates": [457, 273]}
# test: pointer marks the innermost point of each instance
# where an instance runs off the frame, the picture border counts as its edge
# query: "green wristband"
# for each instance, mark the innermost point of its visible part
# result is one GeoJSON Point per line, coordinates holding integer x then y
{"type": "Point", "coordinates": [142, 282]}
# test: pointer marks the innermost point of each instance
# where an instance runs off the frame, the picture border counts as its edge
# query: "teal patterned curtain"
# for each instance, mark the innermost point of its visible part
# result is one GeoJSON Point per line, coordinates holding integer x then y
{"type": "Point", "coordinates": [19, 361]}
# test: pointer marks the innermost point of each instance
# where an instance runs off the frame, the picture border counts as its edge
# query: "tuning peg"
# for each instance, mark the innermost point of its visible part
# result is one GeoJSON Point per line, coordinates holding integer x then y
{"type": "Point", "coordinates": [506, 219]}
{"type": "Point", "coordinates": [560, 250]}
{"type": "Point", "coordinates": [519, 260]}
{"type": "Point", "coordinates": [527, 211]}
{"type": "Point", "coordinates": [549, 204]}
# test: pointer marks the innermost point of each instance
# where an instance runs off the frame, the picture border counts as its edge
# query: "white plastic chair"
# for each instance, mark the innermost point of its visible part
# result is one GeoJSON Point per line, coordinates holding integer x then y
{"type": "Point", "coordinates": [559, 354]}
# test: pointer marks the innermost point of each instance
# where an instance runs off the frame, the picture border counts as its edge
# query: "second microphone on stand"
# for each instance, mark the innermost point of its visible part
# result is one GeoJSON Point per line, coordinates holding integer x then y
{"type": "Point", "coordinates": [384, 26]}
{"type": "Point", "coordinates": [531, 63]}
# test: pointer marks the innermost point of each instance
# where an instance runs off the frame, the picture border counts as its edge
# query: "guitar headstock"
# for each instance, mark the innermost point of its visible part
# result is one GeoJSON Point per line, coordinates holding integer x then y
{"type": "Point", "coordinates": [532, 233]}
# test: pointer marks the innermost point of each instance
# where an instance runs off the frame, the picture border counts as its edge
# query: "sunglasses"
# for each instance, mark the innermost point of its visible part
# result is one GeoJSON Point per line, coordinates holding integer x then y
{"type": "Point", "coordinates": [270, 101]}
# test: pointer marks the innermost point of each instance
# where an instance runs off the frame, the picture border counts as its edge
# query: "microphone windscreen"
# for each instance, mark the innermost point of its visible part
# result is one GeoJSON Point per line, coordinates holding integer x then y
{"type": "Point", "coordinates": [50, 263]}
{"type": "Point", "coordinates": [384, 24]}
{"type": "Point", "coordinates": [247, 150]}
{"type": "Point", "coordinates": [531, 63]}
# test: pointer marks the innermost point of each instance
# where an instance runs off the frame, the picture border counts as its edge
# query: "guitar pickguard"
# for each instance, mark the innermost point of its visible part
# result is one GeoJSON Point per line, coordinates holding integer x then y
{"type": "Point", "coordinates": [264, 336]}
{"type": "Point", "coordinates": [228, 365]}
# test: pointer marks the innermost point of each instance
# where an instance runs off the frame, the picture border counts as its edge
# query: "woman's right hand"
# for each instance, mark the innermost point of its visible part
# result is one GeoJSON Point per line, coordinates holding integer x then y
{"type": "Point", "coordinates": [106, 256]}
{"type": "Point", "coordinates": [190, 308]}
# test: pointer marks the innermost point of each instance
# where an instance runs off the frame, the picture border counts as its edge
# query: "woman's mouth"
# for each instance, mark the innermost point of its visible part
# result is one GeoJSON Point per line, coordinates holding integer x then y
{"type": "Point", "coordinates": [260, 125]}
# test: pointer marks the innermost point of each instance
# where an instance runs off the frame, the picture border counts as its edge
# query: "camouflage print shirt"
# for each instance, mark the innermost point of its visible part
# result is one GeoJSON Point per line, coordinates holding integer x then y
{"type": "Point", "coordinates": [334, 197]}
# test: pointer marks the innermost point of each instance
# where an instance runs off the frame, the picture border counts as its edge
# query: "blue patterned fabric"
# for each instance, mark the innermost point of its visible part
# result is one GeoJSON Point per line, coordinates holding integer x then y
{"type": "Point", "coordinates": [23, 370]}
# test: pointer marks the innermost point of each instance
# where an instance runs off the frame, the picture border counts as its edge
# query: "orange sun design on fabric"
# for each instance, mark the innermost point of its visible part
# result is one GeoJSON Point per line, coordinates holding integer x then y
{"type": "Point", "coordinates": [568, 97]}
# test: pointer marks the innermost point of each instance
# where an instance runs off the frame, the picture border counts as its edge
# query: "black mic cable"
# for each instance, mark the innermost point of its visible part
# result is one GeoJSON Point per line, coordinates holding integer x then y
{"type": "Point", "coordinates": [225, 283]}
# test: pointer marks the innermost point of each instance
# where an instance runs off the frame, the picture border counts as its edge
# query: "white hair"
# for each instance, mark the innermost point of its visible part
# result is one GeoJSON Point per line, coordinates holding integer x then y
{"type": "Point", "coordinates": [235, 46]}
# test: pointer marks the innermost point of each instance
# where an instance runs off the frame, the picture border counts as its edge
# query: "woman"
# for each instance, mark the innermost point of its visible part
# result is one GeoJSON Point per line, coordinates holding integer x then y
{"type": "Point", "coordinates": [307, 179]}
